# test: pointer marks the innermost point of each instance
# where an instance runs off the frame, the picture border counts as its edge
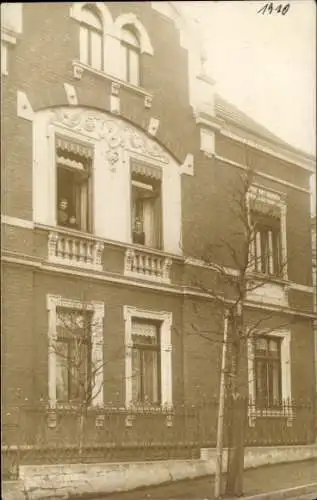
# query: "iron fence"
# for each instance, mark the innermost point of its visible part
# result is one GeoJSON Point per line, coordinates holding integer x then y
{"type": "Point", "coordinates": [34, 435]}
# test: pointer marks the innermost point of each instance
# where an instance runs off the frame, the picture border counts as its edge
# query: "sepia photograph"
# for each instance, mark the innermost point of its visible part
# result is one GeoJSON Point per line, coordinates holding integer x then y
{"type": "Point", "coordinates": [158, 250]}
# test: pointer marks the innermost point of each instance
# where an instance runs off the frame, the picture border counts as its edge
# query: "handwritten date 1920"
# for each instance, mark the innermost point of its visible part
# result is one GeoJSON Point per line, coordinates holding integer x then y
{"type": "Point", "coordinates": [270, 8]}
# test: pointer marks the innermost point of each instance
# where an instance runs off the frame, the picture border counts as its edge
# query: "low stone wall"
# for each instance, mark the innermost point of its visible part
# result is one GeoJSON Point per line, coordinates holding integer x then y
{"type": "Point", "coordinates": [264, 455]}
{"type": "Point", "coordinates": [62, 481]}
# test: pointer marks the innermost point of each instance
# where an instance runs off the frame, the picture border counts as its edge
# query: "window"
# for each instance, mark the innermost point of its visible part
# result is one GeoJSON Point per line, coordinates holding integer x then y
{"type": "Point", "coordinates": [145, 362]}
{"type": "Point", "coordinates": [91, 38]}
{"type": "Point", "coordinates": [267, 366]}
{"type": "Point", "coordinates": [146, 206]}
{"type": "Point", "coordinates": [130, 53]}
{"type": "Point", "coordinates": [269, 376]}
{"type": "Point", "coordinates": [73, 355]}
{"type": "Point", "coordinates": [267, 243]}
{"type": "Point", "coordinates": [74, 195]}
{"type": "Point", "coordinates": [75, 351]}
{"type": "Point", "coordinates": [148, 359]}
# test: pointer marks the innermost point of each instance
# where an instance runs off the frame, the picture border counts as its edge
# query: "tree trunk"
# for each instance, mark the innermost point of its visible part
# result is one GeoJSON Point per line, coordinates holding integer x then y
{"type": "Point", "coordinates": [234, 483]}
{"type": "Point", "coordinates": [236, 422]}
{"type": "Point", "coordinates": [81, 432]}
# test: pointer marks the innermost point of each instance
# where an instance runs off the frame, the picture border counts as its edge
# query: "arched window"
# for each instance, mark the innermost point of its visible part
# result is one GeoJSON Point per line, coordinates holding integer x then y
{"type": "Point", "coordinates": [91, 38]}
{"type": "Point", "coordinates": [130, 53]}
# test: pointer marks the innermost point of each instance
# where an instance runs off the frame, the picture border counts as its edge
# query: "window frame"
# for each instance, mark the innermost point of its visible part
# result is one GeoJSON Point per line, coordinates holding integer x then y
{"type": "Point", "coordinates": [269, 362]}
{"type": "Point", "coordinates": [254, 410]}
{"type": "Point", "coordinates": [69, 341]}
{"type": "Point", "coordinates": [269, 262]}
{"type": "Point", "coordinates": [128, 49]}
{"type": "Point", "coordinates": [142, 171]}
{"type": "Point", "coordinates": [53, 302]}
{"type": "Point", "coordinates": [89, 174]}
{"type": "Point", "coordinates": [263, 200]}
{"type": "Point", "coordinates": [90, 30]}
{"type": "Point", "coordinates": [165, 319]}
{"type": "Point", "coordinates": [141, 348]}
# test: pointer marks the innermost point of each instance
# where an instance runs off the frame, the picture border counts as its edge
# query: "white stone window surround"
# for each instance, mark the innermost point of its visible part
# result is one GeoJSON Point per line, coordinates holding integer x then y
{"type": "Point", "coordinates": [51, 133]}
{"type": "Point", "coordinates": [165, 318]}
{"type": "Point", "coordinates": [112, 36]}
{"type": "Point", "coordinates": [114, 142]}
{"type": "Point", "coordinates": [171, 217]}
{"type": "Point", "coordinates": [272, 199]}
{"type": "Point", "coordinates": [98, 311]}
{"type": "Point", "coordinates": [253, 411]}
{"type": "Point", "coordinates": [8, 39]}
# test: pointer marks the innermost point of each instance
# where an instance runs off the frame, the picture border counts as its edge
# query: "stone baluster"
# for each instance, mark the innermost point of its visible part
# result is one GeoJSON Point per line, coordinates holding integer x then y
{"type": "Point", "coordinates": [67, 252]}
{"type": "Point", "coordinates": [59, 247]}
{"type": "Point", "coordinates": [82, 251]}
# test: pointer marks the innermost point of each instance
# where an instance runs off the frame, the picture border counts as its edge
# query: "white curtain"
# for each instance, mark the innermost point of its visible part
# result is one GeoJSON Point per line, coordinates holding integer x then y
{"type": "Point", "coordinates": [149, 223]}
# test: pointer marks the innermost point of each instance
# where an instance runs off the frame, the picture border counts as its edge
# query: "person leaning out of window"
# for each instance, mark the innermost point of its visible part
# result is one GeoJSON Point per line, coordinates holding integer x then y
{"type": "Point", "coordinates": [64, 217]}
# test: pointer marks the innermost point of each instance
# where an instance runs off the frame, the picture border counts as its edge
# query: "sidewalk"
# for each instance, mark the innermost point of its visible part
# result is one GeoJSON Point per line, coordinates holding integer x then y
{"type": "Point", "coordinates": [260, 480]}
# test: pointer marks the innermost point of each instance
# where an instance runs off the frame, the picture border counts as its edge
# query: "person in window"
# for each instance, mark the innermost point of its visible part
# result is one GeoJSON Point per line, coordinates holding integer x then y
{"type": "Point", "coordinates": [63, 212]}
{"type": "Point", "coordinates": [138, 234]}
{"type": "Point", "coordinates": [64, 218]}
{"type": "Point", "coordinates": [72, 222]}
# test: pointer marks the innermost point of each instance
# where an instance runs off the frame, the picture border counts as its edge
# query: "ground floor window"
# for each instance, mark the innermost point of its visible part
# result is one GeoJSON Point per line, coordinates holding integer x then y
{"type": "Point", "coordinates": [148, 358]}
{"type": "Point", "coordinates": [75, 351]}
{"type": "Point", "coordinates": [73, 355]}
{"type": "Point", "coordinates": [268, 371]}
{"type": "Point", "coordinates": [146, 369]}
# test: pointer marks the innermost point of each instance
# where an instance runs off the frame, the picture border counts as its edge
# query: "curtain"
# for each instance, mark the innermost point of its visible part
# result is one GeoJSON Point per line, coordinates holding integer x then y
{"type": "Point", "coordinates": [149, 225]}
{"type": "Point", "coordinates": [150, 374]}
{"type": "Point", "coordinates": [136, 375]}
{"type": "Point", "coordinates": [62, 389]}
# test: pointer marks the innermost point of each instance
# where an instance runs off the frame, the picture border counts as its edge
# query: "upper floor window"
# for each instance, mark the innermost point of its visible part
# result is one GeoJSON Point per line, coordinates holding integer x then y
{"type": "Point", "coordinates": [146, 206]}
{"type": "Point", "coordinates": [267, 366]}
{"type": "Point", "coordinates": [267, 243]}
{"type": "Point", "coordinates": [130, 54]}
{"type": "Point", "coordinates": [91, 38]}
{"type": "Point", "coordinates": [74, 185]}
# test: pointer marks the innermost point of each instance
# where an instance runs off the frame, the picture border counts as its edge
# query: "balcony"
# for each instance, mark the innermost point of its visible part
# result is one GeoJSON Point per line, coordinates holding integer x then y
{"type": "Point", "coordinates": [147, 265]}
{"type": "Point", "coordinates": [79, 251]}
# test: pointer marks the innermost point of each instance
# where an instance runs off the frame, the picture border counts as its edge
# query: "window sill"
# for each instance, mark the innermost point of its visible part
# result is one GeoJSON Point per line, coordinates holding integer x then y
{"type": "Point", "coordinates": [79, 68]}
{"type": "Point", "coordinates": [268, 278]}
{"type": "Point", "coordinates": [281, 413]}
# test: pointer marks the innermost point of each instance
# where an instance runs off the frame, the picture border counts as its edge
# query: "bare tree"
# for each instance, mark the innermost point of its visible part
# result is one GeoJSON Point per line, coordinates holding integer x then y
{"type": "Point", "coordinates": [253, 263]}
{"type": "Point", "coordinates": [79, 371]}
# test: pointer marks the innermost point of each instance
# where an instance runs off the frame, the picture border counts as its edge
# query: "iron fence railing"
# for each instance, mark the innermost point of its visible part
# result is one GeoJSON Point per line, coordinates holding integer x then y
{"type": "Point", "coordinates": [40, 435]}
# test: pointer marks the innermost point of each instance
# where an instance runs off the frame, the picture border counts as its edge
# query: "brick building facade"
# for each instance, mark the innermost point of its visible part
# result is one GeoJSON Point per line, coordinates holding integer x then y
{"type": "Point", "coordinates": [119, 165]}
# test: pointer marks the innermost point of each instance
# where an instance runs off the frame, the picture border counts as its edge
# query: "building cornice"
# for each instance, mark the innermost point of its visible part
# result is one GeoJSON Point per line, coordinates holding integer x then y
{"type": "Point", "coordinates": [272, 149]}
{"type": "Point", "coordinates": [180, 290]}
{"type": "Point", "coordinates": [25, 224]}
{"type": "Point", "coordinates": [262, 174]}
{"type": "Point", "coordinates": [265, 145]}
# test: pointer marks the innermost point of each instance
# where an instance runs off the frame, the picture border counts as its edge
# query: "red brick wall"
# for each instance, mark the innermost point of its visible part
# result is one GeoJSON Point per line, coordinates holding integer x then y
{"type": "Point", "coordinates": [114, 298]}
{"type": "Point", "coordinates": [19, 339]}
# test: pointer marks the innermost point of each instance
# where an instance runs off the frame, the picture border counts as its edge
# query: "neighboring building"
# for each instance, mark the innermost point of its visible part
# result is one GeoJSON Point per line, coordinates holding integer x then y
{"type": "Point", "coordinates": [119, 165]}
{"type": "Point", "coordinates": [314, 253]}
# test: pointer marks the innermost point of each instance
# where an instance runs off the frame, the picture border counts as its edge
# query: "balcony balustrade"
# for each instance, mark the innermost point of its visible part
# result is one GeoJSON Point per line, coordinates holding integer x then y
{"type": "Point", "coordinates": [147, 265]}
{"type": "Point", "coordinates": [75, 251]}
